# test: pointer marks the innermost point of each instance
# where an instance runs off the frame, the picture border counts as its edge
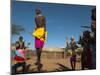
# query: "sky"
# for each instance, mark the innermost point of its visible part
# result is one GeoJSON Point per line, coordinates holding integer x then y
{"type": "Point", "coordinates": [62, 20]}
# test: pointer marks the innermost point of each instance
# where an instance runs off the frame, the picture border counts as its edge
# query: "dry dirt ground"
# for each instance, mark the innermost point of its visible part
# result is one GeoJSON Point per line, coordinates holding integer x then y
{"type": "Point", "coordinates": [49, 65]}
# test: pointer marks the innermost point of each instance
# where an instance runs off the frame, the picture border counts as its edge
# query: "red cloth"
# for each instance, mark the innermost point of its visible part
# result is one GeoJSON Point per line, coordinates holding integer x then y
{"type": "Point", "coordinates": [17, 58]}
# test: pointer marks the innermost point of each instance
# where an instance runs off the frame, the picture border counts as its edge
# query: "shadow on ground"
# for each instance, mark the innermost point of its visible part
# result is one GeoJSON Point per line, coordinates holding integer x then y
{"type": "Point", "coordinates": [28, 71]}
{"type": "Point", "coordinates": [62, 68]}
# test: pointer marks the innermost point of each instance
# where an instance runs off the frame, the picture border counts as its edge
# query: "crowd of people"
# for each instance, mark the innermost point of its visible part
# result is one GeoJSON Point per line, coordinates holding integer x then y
{"type": "Point", "coordinates": [88, 42]}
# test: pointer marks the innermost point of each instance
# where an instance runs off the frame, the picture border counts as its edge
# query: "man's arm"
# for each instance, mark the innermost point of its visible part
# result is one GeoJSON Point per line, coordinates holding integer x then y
{"type": "Point", "coordinates": [35, 23]}
{"type": "Point", "coordinates": [24, 47]}
{"type": "Point", "coordinates": [44, 23]}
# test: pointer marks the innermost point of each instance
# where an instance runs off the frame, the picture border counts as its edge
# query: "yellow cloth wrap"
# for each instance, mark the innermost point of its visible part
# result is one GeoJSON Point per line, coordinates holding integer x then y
{"type": "Point", "coordinates": [39, 33]}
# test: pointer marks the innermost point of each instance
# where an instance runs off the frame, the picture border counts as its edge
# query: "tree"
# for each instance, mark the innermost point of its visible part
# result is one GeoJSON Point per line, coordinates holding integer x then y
{"type": "Point", "coordinates": [17, 29]}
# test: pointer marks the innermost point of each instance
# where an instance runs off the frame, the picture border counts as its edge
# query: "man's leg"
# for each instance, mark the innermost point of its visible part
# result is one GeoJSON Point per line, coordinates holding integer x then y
{"type": "Point", "coordinates": [94, 57]}
{"type": "Point", "coordinates": [39, 55]}
{"type": "Point", "coordinates": [38, 51]}
{"type": "Point", "coordinates": [71, 62]}
{"type": "Point", "coordinates": [14, 68]}
{"type": "Point", "coordinates": [74, 63]}
{"type": "Point", "coordinates": [24, 66]}
{"type": "Point", "coordinates": [83, 60]}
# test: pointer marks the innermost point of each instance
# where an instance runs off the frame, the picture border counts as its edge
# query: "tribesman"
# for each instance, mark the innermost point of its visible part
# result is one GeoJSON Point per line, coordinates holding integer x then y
{"type": "Point", "coordinates": [40, 35]}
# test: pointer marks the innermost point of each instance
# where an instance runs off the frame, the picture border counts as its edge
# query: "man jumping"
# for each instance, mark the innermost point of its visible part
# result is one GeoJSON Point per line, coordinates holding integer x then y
{"type": "Point", "coordinates": [39, 34]}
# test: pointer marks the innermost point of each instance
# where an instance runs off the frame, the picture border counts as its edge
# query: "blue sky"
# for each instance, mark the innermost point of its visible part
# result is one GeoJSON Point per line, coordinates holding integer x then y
{"type": "Point", "coordinates": [62, 20]}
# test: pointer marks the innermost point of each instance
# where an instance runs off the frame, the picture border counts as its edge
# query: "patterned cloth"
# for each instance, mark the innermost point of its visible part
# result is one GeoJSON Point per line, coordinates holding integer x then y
{"type": "Point", "coordinates": [19, 55]}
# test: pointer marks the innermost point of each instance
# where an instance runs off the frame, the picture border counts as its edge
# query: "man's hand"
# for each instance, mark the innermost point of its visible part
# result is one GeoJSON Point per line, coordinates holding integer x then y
{"type": "Point", "coordinates": [43, 36]}
{"type": "Point", "coordinates": [35, 28]}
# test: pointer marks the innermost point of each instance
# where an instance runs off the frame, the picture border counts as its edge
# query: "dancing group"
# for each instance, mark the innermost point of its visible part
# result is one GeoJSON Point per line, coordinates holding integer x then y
{"type": "Point", "coordinates": [40, 34]}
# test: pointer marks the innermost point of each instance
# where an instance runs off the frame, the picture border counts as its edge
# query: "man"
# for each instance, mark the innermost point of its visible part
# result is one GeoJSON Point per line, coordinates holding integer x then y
{"type": "Point", "coordinates": [39, 34]}
{"type": "Point", "coordinates": [21, 43]}
{"type": "Point", "coordinates": [86, 58]}
{"type": "Point", "coordinates": [93, 29]}
{"type": "Point", "coordinates": [19, 55]}
{"type": "Point", "coordinates": [73, 56]}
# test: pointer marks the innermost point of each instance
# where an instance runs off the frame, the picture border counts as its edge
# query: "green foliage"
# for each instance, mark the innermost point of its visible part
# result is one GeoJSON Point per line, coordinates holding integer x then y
{"type": "Point", "coordinates": [16, 29]}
